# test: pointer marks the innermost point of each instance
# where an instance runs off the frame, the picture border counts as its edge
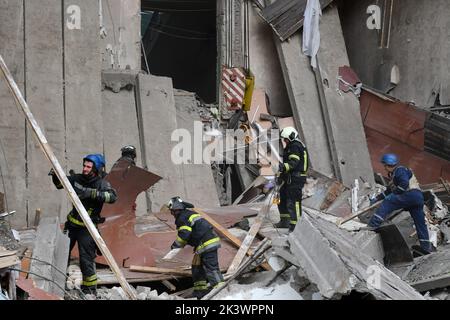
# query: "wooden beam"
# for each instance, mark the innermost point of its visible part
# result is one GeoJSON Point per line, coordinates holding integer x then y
{"type": "Point", "coordinates": [227, 234]}
{"type": "Point", "coordinates": [360, 212]}
{"type": "Point", "coordinates": [64, 181]}
{"type": "Point", "coordinates": [175, 272]}
{"type": "Point", "coordinates": [243, 249]}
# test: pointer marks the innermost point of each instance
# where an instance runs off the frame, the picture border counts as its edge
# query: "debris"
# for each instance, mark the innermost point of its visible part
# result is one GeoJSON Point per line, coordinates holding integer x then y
{"type": "Point", "coordinates": [50, 254]}
{"type": "Point", "coordinates": [332, 261]}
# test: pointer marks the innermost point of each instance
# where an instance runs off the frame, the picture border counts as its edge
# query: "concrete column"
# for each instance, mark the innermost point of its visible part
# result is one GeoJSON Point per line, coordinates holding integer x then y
{"type": "Point", "coordinates": [304, 97]}
{"type": "Point", "coordinates": [12, 123]}
{"type": "Point", "coordinates": [157, 106]}
{"type": "Point", "coordinates": [342, 116]}
{"type": "Point", "coordinates": [82, 68]}
{"type": "Point", "coordinates": [44, 94]}
{"type": "Point", "coordinates": [121, 44]}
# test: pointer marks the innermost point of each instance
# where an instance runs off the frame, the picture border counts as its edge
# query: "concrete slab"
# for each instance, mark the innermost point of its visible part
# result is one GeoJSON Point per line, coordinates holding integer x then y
{"type": "Point", "coordinates": [82, 68]}
{"type": "Point", "coordinates": [121, 45]}
{"type": "Point", "coordinates": [120, 128]}
{"type": "Point", "coordinates": [12, 123]}
{"type": "Point", "coordinates": [332, 261]}
{"type": "Point", "coordinates": [157, 106]}
{"type": "Point", "coordinates": [52, 247]}
{"type": "Point", "coordinates": [305, 103]}
{"type": "Point", "coordinates": [344, 127]}
{"type": "Point", "coordinates": [44, 94]}
{"type": "Point", "coordinates": [198, 180]}
{"type": "Point", "coordinates": [430, 272]}
{"type": "Point", "coordinates": [265, 65]}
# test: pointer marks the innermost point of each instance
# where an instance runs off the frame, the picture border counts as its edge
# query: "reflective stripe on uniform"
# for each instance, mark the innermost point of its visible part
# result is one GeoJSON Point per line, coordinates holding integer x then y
{"type": "Point", "coordinates": [285, 215]}
{"type": "Point", "coordinates": [286, 165]}
{"type": "Point", "coordinates": [200, 285]}
{"type": "Point", "coordinates": [180, 241]}
{"type": "Point", "coordinates": [194, 218]}
{"type": "Point", "coordinates": [90, 281]}
{"type": "Point", "coordinates": [76, 221]}
{"type": "Point", "coordinates": [305, 161]}
{"type": "Point", "coordinates": [207, 245]}
{"type": "Point", "coordinates": [294, 156]}
{"type": "Point", "coordinates": [185, 228]}
{"type": "Point", "coordinates": [107, 197]}
{"type": "Point", "coordinates": [298, 209]}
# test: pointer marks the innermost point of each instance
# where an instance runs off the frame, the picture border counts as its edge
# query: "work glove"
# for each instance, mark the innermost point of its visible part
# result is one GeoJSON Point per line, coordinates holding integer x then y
{"type": "Point", "coordinates": [373, 200]}
{"type": "Point", "coordinates": [84, 193]}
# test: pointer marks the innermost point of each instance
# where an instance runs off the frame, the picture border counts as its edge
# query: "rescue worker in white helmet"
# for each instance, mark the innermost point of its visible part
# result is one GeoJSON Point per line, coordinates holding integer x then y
{"type": "Point", "coordinates": [293, 172]}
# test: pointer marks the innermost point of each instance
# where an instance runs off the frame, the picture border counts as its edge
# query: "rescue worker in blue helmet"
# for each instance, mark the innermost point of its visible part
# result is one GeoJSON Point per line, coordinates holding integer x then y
{"type": "Point", "coordinates": [198, 233]}
{"type": "Point", "coordinates": [403, 193]}
{"type": "Point", "coordinates": [93, 191]}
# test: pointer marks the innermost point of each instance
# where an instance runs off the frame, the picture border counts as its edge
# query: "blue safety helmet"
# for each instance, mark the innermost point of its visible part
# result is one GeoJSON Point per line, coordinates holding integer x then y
{"type": "Point", "coordinates": [389, 159]}
{"type": "Point", "coordinates": [97, 159]}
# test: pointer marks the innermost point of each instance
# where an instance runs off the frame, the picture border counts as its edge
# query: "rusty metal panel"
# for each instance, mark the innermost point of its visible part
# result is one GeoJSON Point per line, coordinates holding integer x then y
{"type": "Point", "coordinates": [147, 248]}
{"type": "Point", "coordinates": [399, 128]}
{"type": "Point", "coordinates": [128, 181]}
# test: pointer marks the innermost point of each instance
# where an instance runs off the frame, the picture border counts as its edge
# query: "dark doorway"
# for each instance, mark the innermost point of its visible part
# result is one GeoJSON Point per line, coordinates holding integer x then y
{"type": "Point", "coordinates": [179, 39]}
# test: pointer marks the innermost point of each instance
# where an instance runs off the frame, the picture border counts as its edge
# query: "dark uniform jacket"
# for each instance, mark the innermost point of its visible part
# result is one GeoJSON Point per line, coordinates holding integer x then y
{"type": "Point", "coordinates": [195, 231]}
{"type": "Point", "coordinates": [99, 191]}
{"type": "Point", "coordinates": [295, 160]}
{"type": "Point", "coordinates": [403, 180]}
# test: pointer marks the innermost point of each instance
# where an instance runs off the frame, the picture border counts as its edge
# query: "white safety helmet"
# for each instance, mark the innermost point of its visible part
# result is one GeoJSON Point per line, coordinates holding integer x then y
{"type": "Point", "coordinates": [289, 133]}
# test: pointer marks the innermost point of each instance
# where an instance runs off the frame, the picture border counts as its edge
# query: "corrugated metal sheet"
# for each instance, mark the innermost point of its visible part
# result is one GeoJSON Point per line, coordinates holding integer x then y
{"type": "Point", "coordinates": [286, 16]}
{"type": "Point", "coordinates": [437, 136]}
{"type": "Point", "coordinates": [396, 127]}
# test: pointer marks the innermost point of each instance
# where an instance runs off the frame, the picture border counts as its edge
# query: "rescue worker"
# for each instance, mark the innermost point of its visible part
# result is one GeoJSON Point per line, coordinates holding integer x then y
{"type": "Point", "coordinates": [93, 192]}
{"type": "Point", "coordinates": [402, 193]}
{"type": "Point", "coordinates": [128, 154]}
{"type": "Point", "coordinates": [293, 173]}
{"type": "Point", "coordinates": [198, 233]}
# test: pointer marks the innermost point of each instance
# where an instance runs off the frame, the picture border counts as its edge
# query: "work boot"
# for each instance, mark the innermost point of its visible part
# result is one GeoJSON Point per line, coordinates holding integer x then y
{"type": "Point", "coordinates": [291, 227]}
{"type": "Point", "coordinates": [418, 251]}
{"type": "Point", "coordinates": [283, 224]}
{"type": "Point", "coordinates": [200, 293]}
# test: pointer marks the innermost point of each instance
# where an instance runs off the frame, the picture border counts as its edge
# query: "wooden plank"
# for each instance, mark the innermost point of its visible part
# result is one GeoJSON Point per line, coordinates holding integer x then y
{"type": "Point", "coordinates": [175, 272]}
{"type": "Point", "coordinates": [234, 266]}
{"type": "Point", "coordinates": [360, 212]}
{"type": "Point", "coordinates": [47, 150]}
{"type": "Point", "coordinates": [227, 234]}
{"type": "Point", "coordinates": [169, 285]}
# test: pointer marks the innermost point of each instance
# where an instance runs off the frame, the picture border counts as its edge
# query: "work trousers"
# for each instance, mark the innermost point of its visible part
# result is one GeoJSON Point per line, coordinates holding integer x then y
{"type": "Point", "coordinates": [290, 207]}
{"type": "Point", "coordinates": [87, 251]}
{"type": "Point", "coordinates": [205, 268]}
{"type": "Point", "coordinates": [411, 201]}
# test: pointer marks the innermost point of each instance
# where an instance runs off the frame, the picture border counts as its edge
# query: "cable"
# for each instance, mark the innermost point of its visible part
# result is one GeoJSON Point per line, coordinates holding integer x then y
{"type": "Point", "coordinates": [54, 267]}
{"type": "Point", "coordinates": [48, 263]}
{"type": "Point", "coordinates": [44, 278]}
{"type": "Point", "coordinates": [179, 36]}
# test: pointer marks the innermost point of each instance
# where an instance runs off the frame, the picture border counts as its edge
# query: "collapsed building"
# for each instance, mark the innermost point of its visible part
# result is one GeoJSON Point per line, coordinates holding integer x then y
{"type": "Point", "coordinates": [98, 75]}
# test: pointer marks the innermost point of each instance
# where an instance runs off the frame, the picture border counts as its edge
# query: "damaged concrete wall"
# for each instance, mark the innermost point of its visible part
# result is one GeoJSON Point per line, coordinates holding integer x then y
{"type": "Point", "coordinates": [121, 34]}
{"type": "Point", "coordinates": [419, 45]}
{"type": "Point", "coordinates": [12, 123]}
{"type": "Point", "coordinates": [341, 112]}
{"type": "Point", "coordinates": [45, 96]}
{"type": "Point", "coordinates": [201, 191]}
